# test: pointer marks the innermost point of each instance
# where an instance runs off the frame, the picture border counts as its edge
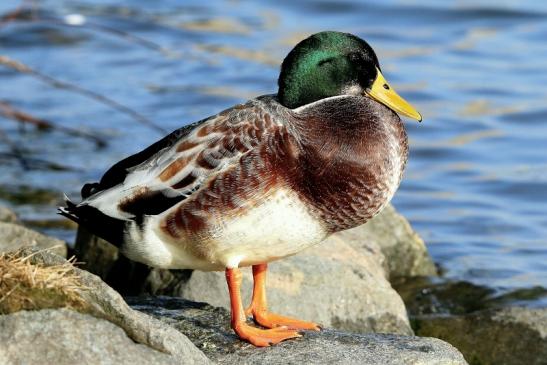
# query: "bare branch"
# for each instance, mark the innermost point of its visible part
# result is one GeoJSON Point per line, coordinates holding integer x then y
{"type": "Point", "coordinates": [21, 67]}
{"type": "Point", "coordinates": [10, 112]}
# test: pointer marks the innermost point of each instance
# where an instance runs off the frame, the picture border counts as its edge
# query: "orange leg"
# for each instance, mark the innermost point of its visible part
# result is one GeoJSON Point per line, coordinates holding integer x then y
{"type": "Point", "coordinates": [259, 307]}
{"type": "Point", "coordinates": [256, 336]}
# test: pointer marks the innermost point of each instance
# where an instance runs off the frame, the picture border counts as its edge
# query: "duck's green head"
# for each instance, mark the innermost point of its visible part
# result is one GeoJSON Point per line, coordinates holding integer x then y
{"type": "Point", "coordinates": [333, 63]}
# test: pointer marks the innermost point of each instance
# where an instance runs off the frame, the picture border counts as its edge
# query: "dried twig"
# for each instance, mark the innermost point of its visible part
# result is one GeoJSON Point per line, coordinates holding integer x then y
{"type": "Point", "coordinates": [10, 112]}
{"type": "Point", "coordinates": [21, 67]}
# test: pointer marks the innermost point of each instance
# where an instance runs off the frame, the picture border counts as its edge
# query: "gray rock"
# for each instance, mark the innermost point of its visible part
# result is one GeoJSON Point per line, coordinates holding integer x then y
{"type": "Point", "coordinates": [63, 336]}
{"type": "Point", "coordinates": [208, 327]}
{"type": "Point", "coordinates": [7, 215]}
{"type": "Point", "coordinates": [333, 284]}
{"type": "Point", "coordinates": [104, 302]}
{"type": "Point", "coordinates": [14, 236]}
{"type": "Point", "coordinates": [512, 335]}
{"type": "Point", "coordinates": [405, 252]}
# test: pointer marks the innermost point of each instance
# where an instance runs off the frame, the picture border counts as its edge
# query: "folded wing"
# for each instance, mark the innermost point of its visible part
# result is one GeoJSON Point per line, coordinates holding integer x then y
{"type": "Point", "coordinates": [174, 168]}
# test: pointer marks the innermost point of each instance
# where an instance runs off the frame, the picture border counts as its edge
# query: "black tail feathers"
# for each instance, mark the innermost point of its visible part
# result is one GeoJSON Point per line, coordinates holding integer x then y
{"type": "Point", "coordinates": [98, 223]}
{"type": "Point", "coordinates": [69, 211]}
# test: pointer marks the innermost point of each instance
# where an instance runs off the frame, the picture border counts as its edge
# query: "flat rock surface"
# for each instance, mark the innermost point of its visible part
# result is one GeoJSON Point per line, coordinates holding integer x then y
{"type": "Point", "coordinates": [14, 236]}
{"type": "Point", "coordinates": [62, 336]}
{"type": "Point", "coordinates": [512, 335]}
{"type": "Point", "coordinates": [208, 328]}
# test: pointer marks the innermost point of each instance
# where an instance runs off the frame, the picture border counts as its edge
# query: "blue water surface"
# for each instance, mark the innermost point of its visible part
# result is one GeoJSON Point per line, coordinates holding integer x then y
{"type": "Point", "coordinates": [476, 183]}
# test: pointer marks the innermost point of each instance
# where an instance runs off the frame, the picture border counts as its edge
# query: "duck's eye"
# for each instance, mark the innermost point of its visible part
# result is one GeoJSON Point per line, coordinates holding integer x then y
{"type": "Point", "coordinates": [386, 86]}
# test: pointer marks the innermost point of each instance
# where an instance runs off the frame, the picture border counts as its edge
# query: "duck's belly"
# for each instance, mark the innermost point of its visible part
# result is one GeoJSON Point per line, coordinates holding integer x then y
{"type": "Point", "coordinates": [278, 227]}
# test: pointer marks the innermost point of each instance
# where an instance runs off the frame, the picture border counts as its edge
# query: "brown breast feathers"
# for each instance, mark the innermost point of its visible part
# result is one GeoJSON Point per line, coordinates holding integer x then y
{"type": "Point", "coordinates": [353, 152]}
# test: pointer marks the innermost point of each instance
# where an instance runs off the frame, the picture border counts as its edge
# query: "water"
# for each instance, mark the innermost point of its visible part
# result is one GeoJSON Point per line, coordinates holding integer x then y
{"type": "Point", "coordinates": [476, 184]}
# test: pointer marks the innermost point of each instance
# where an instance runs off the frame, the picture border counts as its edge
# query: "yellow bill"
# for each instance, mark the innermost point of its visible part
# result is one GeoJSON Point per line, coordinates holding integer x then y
{"type": "Point", "coordinates": [383, 93]}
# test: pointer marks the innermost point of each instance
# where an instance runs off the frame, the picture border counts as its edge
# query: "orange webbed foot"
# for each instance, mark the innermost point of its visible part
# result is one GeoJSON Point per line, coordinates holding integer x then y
{"type": "Point", "coordinates": [272, 320]}
{"type": "Point", "coordinates": [259, 308]}
{"type": "Point", "coordinates": [263, 338]}
{"type": "Point", "coordinates": [256, 336]}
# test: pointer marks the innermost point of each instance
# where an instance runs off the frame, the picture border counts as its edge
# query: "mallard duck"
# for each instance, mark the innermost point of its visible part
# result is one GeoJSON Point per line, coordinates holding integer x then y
{"type": "Point", "coordinates": [262, 180]}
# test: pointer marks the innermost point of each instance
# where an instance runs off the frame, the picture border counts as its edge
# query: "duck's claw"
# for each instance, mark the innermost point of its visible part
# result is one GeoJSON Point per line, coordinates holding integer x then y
{"type": "Point", "coordinates": [272, 320]}
{"type": "Point", "coordinates": [263, 338]}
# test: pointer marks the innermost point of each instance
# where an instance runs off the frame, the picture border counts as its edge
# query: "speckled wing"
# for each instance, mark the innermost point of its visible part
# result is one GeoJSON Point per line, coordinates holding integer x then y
{"type": "Point", "coordinates": [181, 166]}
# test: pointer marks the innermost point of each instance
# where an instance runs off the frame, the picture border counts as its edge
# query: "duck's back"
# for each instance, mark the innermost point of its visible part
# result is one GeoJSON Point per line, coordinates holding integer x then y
{"type": "Point", "coordinates": [172, 169]}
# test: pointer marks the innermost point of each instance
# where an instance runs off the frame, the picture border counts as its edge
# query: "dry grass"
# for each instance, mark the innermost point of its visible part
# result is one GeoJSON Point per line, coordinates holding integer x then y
{"type": "Point", "coordinates": [27, 286]}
